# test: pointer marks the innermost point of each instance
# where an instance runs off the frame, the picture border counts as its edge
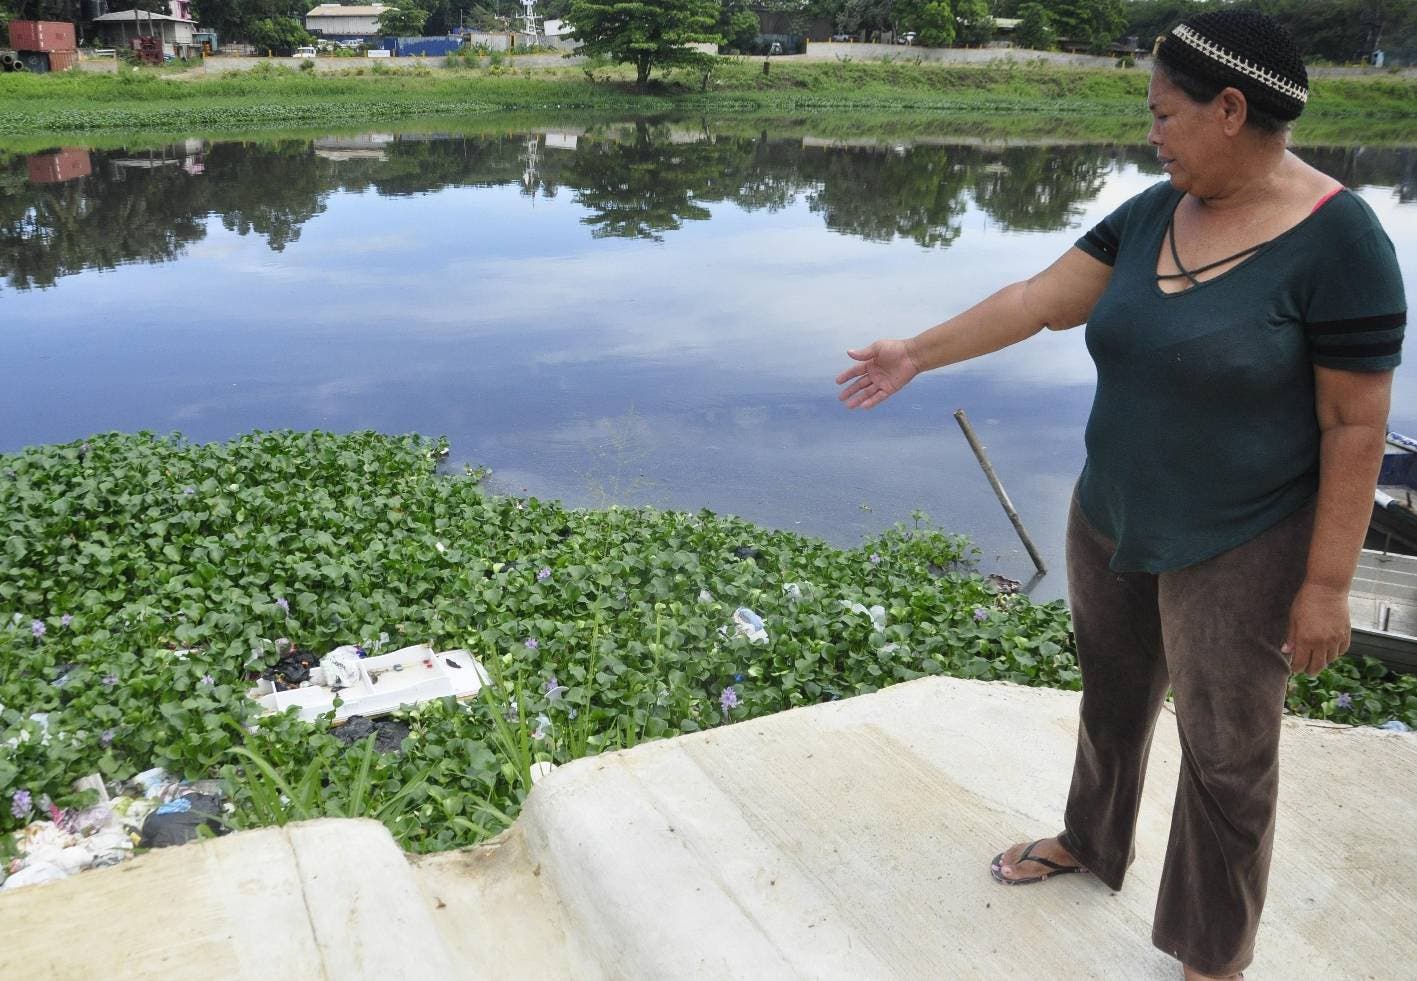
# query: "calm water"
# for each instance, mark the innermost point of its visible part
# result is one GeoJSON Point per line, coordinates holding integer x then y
{"type": "Point", "coordinates": [636, 313]}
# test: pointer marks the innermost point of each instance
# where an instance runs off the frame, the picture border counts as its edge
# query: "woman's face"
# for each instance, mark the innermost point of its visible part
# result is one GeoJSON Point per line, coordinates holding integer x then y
{"type": "Point", "coordinates": [1188, 135]}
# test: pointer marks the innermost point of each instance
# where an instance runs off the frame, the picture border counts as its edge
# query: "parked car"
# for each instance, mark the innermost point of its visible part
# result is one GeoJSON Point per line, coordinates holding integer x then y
{"type": "Point", "coordinates": [843, 37]}
{"type": "Point", "coordinates": [907, 38]}
{"type": "Point", "coordinates": [304, 52]}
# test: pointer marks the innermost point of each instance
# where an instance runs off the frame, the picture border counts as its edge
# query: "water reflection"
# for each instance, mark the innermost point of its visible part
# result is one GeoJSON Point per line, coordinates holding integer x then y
{"type": "Point", "coordinates": [73, 209]}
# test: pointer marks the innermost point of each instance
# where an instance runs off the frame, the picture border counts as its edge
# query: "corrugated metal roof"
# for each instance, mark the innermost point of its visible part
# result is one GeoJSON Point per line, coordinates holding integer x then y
{"type": "Point", "coordinates": [144, 16]}
{"type": "Point", "coordinates": [335, 10]}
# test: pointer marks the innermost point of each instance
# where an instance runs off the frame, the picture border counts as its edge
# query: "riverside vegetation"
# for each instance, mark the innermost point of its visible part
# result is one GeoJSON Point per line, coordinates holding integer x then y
{"type": "Point", "coordinates": [145, 581]}
{"type": "Point", "coordinates": [278, 95]}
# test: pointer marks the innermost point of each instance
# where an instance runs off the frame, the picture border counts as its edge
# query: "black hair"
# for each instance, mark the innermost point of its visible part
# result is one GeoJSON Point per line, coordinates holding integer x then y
{"type": "Point", "coordinates": [1203, 90]}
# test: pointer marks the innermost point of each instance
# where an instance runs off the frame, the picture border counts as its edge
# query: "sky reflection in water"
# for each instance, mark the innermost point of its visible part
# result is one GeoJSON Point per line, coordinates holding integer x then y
{"type": "Point", "coordinates": [627, 315]}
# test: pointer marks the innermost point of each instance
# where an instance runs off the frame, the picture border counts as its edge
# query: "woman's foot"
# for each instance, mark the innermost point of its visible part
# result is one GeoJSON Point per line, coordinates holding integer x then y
{"type": "Point", "coordinates": [1033, 862]}
{"type": "Point", "coordinates": [1193, 975]}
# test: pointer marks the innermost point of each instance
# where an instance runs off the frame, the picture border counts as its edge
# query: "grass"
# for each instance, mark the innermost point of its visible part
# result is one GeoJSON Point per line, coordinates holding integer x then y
{"type": "Point", "coordinates": [276, 95]}
{"type": "Point", "coordinates": [145, 581]}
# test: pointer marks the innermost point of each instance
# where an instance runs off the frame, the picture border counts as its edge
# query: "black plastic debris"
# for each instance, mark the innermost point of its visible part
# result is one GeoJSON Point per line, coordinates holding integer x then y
{"type": "Point", "coordinates": [177, 821]}
{"type": "Point", "coordinates": [746, 552]}
{"type": "Point", "coordinates": [389, 734]}
{"type": "Point", "coordinates": [291, 670]}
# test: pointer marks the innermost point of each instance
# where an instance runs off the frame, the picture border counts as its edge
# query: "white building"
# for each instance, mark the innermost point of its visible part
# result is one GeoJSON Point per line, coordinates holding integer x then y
{"type": "Point", "coordinates": [330, 20]}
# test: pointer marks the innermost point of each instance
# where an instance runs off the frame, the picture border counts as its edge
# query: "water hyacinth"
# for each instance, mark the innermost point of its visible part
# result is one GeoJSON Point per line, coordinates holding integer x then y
{"type": "Point", "coordinates": [284, 605]}
{"type": "Point", "coordinates": [66, 619]}
{"type": "Point", "coordinates": [21, 804]}
{"type": "Point", "coordinates": [38, 628]}
{"type": "Point", "coordinates": [874, 559]}
{"type": "Point", "coordinates": [729, 699]}
{"type": "Point", "coordinates": [189, 491]}
{"type": "Point", "coordinates": [208, 680]}
{"type": "Point", "coordinates": [109, 680]}
{"type": "Point", "coordinates": [1345, 700]}
{"type": "Point", "coordinates": [543, 574]}
{"type": "Point", "coordinates": [105, 738]}
{"type": "Point", "coordinates": [532, 644]}
{"type": "Point", "coordinates": [980, 614]}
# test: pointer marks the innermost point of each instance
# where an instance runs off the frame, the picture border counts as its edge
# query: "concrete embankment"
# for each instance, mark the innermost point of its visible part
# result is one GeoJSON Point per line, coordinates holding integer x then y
{"type": "Point", "coordinates": [848, 840]}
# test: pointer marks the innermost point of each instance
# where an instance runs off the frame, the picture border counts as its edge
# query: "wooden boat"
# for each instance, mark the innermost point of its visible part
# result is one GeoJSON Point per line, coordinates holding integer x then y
{"type": "Point", "coordinates": [1383, 608]}
{"type": "Point", "coordinates": [1393, 527]}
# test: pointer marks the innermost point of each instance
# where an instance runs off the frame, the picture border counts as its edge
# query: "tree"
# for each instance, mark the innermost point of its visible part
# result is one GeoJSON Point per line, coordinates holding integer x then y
{"type": "Point", "coordinates": [738, 25]}
{"type": "Point", "coordinates": [1035, 29]}
{"type": "Point", "coordinates": [973, 25]}
{"type": "Point", "coordinates": [404, 20]}
{"type": "Point", "coordinates": [1098, 22]}
{"type": "Point", "coordinates": [933, 21]}
{"type": "Point", "coordinates": [232, 19]}
{"type": "Point", "coordinates": [278, 34]}
{"type": "Point", "coordinates": [645, 33]}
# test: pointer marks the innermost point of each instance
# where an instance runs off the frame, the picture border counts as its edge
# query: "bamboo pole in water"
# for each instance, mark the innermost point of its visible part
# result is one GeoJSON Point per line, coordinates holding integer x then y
{"type": "Point", "coordinates": [999, 491]}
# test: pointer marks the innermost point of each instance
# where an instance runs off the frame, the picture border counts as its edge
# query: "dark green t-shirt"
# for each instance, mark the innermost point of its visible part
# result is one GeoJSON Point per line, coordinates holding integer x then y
{"type": "Point", "coordinates": [1203, 432]}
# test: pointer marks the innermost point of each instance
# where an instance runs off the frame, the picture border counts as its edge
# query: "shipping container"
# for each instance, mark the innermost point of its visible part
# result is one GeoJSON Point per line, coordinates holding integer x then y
{"type": "Point", "coordinates": [427, 47]}
{"type": "Point", "coordinates": [42, 35]}
{"type": "Point", "coordinates": [64, 165]}
{"type": "Point", "coordinates": [62, 61]}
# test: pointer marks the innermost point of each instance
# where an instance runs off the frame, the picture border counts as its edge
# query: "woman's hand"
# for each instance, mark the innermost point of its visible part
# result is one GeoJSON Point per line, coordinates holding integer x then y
{"type": "Point", "coordinates": [1319, 630]}
{"type": "Point", "coordinates": [886, 367]}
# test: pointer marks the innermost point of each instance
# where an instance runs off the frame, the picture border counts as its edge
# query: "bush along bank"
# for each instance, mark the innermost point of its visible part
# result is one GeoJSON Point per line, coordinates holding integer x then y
{"type": "Point", "coordinates": [147, 581]}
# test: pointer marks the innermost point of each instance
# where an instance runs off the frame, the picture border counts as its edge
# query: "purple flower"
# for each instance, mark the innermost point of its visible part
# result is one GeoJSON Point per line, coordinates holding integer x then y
{"type": "Point", "coordinates": [37, 628]}
{"type": "Point", "coordinates": [105, 738]}
{"type": "Point", "coordinates": [980, 614]}
{"type": "Point", "coordinates": [874, 559]}
{"type": "Point", "coordinates": [208, 680]}
{"type": "Point", "coordinates": [20, 804]}
{"type": "Point", "coordinates": [728, 699]}
{"type": "Point", "coordinates": [284, 605]}
{"type": "Point", "coordinates": [1345, 700]}
{"type": "Point", "coordinates": [532, 643]}
{"type": "Point", "coordinates": [737, 677]}
{"type": "Point", "coordinates": [109, 680]}
{"type": "Point", "coordinates": [543, 575]}
{"type": "Point", "coordinates": [66, 619]}
{"type": "Point", "coordinates": [189, 490]}
{"type": "Point", "coordinates": [551, 684]}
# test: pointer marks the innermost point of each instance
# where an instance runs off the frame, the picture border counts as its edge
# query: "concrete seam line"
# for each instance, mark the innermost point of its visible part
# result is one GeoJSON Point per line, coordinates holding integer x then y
{"type": "Point", "coordinates": [305, 902]}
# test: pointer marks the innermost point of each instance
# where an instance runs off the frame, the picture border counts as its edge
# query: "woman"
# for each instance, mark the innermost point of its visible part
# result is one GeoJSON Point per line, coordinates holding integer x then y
{"type": "Point", "coordinates": [1245, 317]}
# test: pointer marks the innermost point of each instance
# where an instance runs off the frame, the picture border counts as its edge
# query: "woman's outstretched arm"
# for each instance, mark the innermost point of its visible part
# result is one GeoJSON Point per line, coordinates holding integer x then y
{"type": "Point", "coordinates": [1059, 297]}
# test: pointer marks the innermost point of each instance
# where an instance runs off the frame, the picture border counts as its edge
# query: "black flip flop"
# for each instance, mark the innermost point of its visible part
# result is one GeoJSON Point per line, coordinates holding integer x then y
{"type": "Point", "coordinates": [996, 868]}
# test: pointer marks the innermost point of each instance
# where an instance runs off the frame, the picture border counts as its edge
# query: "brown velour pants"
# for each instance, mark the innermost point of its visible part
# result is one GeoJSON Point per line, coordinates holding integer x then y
{"type": "Point", "coordinates": [1211, 632]}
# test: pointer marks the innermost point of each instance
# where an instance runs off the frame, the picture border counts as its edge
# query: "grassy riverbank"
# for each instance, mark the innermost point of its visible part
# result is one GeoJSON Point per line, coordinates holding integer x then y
{"type": "Point", "coordinates": [1091, 103]}
{"type": "Point", "coordinates": [145, 582]}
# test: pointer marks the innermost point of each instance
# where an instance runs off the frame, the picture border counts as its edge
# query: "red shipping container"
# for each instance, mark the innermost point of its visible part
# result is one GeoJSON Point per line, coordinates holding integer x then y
{"type": "Point", "coordinates": [42, 35]}
{"type": "Point", "coordinates": [55, 168]}
{"type": "Point", "coordinates": [62, 61]}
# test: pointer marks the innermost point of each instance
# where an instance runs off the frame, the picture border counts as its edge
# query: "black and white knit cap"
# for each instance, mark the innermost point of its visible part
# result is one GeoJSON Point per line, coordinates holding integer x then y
{"type": "Point", "coordinates": [1245, 49]}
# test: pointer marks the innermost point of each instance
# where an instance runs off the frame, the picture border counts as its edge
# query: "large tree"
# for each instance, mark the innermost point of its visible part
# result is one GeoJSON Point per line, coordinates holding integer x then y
{"type": "Point", "coordinates": [278, 34]}
{"type": "Point", "coordinates": [232, 19]}
{"type": "Point", "coordinates": [1035, 29]}
{"type": "Point", "coordinates": [406, 19]}
{"type": "Point", "coordinates": [644, 33]}
{"type": "Point", "coordinates": [1098, 22]}
{"type": "Point", "coordinates": [974, 27]}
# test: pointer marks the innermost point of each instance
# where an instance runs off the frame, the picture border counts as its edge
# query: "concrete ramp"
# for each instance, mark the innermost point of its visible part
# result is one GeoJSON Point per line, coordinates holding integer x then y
{"type": "Point", "coordinates": [848, 840]}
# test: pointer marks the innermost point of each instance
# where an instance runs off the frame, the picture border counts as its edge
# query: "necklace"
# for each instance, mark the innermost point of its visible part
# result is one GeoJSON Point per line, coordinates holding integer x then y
{"type": "Point", "coordinates": [1191, 274]}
